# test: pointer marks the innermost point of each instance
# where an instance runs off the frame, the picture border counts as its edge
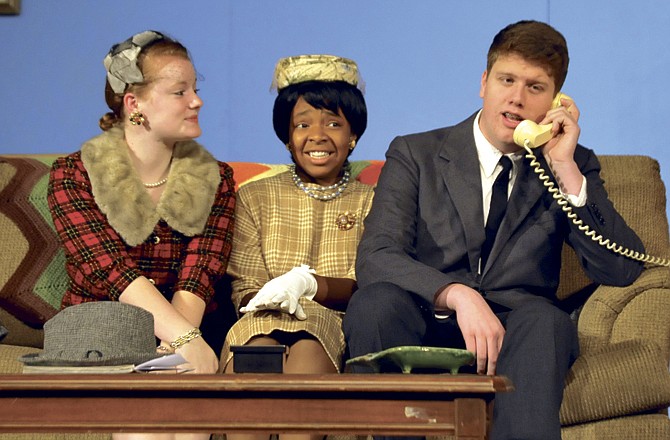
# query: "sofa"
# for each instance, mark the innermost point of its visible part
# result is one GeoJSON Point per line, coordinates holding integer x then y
{"type": "Point", "coordinates": [618, 388]}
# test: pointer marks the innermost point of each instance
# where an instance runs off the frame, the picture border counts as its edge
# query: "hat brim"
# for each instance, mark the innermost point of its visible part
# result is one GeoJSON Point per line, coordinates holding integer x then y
{"type": "Point", "coordinates": [46, 359]}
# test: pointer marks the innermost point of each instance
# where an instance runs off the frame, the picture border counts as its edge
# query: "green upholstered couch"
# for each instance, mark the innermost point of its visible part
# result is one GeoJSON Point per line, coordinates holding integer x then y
{"type": "Point", "coordinates": [618, 388]}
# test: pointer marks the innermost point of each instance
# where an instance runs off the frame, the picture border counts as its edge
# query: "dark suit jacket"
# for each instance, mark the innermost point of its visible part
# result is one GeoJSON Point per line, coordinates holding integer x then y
{"type": "Point", "coordinates": [426, 226]}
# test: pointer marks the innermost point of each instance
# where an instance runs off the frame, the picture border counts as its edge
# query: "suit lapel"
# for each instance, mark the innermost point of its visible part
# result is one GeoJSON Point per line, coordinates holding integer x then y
{"type": "Point", "coordinates": [458, 158]}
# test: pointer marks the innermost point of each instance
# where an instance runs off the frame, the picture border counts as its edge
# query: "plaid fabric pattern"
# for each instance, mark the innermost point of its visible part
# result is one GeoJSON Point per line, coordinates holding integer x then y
{"type": "Point", "coordinates": [101, 265]}
{"type": "Point", "coordinates": [366, 171]}
{"type": "Point", "coordinates": [279, 227]}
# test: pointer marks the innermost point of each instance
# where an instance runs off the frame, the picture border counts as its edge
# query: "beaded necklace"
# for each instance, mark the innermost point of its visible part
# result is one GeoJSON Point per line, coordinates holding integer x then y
{"type": "Point", "coordinates": [160, 182]}
{"type": "Point", "coordinates": [155, 184]}
{"type": "Point", "coordinates": [317, 192]}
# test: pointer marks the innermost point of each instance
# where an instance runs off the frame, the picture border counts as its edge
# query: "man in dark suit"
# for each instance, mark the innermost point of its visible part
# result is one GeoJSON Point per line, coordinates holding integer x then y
{"type": "Point", "coordinates": [427, 274]}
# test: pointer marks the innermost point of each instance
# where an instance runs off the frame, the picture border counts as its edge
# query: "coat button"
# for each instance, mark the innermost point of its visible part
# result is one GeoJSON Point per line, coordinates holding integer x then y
{"type": "Point", "coordinates": [151, 280]}
{"type": "Point", "coordinates": [157, 239]}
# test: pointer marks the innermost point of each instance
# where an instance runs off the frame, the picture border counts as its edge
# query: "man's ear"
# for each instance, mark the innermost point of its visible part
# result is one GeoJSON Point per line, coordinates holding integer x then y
{"type": "Point", "coordinates": [482, 84]}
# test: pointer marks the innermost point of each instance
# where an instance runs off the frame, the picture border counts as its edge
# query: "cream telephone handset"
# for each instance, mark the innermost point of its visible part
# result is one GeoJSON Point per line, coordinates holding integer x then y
{"type": "Point", "coordinates": [529, 135]}
{"type": "Point", "coordinates": [533, 135]}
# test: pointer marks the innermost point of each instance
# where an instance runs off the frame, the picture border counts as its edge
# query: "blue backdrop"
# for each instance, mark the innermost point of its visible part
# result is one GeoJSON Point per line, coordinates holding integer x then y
{"type": "Point", "coordinates": [421, 60]}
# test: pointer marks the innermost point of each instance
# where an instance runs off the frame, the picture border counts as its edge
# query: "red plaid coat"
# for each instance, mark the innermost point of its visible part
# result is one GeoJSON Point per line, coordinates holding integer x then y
{"type": "Point", "coordinates": [101, 264]}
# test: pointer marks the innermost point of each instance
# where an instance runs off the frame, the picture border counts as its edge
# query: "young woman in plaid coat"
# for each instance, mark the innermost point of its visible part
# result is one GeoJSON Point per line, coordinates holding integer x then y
{"type": "Point", "coordinates": [145, 214]}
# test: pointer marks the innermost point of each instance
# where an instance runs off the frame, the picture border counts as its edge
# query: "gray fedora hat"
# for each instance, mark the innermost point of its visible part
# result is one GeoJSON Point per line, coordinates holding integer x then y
{"type": "Point", "coordinates": [97, 333]}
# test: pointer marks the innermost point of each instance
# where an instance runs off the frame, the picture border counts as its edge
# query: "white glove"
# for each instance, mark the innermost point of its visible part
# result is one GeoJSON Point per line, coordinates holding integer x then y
{"type": "Point", "coordinates": [282, 293]}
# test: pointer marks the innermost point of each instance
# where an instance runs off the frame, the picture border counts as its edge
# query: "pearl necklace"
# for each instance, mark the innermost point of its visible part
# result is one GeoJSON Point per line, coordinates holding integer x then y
{"type": "Point", "coordinates": [160, 182]}
{"type": "Point", "coordinates": [316, 192]}
{"type": "Point", "coordinates": [155, 184]}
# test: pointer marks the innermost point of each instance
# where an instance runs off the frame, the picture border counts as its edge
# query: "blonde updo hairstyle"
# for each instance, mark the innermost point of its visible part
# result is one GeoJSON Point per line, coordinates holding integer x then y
{"type": "Point", "coordinates": [162, 47]}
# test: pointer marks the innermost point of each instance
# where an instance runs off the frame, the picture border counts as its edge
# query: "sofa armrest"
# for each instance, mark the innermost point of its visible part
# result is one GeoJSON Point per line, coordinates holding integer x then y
{"type": "Point", "coordinates": [638, 311]}
{"type": "Point", "coordinates": [627, 378]}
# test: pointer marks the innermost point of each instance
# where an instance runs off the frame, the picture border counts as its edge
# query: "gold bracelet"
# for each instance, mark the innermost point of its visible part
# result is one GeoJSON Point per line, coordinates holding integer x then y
{"type": "Point", "coordinates": [185, 338]}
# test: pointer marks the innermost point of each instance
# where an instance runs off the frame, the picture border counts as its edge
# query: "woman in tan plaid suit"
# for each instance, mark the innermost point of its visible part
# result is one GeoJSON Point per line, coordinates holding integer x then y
{"type": "Point", "coordinates": [296, 233]}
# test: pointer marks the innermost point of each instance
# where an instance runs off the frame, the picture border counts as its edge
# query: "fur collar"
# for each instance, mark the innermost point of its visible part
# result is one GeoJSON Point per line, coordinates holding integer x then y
{"type": "Point", "coordinates": [185, 203]}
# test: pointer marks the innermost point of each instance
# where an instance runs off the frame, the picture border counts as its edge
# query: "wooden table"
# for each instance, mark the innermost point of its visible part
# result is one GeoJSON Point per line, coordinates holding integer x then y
{"type": "Point", "coordinates": [391, 404]}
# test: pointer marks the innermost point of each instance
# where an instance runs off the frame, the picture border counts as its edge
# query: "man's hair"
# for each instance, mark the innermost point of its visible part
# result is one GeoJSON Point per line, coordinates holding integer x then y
{"type": "Point", "coordinates": [535, 42]}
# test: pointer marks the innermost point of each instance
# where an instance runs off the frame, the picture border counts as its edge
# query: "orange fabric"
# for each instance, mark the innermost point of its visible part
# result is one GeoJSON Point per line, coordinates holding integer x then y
{"type": "Point", "coordinates": [370, 174]}
{"type": "Point", "coordinates": [243, 171]}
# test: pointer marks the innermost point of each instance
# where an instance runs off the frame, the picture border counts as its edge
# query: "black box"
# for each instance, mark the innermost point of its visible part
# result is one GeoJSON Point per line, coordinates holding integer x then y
{"type": "Point", "coordinates": [258, 358]}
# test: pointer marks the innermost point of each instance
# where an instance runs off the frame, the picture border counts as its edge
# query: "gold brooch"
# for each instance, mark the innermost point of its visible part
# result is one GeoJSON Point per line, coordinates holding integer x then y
{"type": "Point", "coordinates": [345, 221]}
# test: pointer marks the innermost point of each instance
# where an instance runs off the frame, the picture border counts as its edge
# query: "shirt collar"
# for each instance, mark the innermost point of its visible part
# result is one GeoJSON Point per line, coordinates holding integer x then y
{"type": "Point", "coordinates": [488, 155]}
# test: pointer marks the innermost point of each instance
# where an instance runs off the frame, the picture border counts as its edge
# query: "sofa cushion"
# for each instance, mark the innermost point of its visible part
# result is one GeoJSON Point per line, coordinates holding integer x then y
{"type": "Point", "coordinates": [630, 377]}
{"type": "Point", "coordinates": [33, 279]}
{"type": "Point", "coordinates": [9, 358]}
{"type": "Point", "coordinates": [636, 427]}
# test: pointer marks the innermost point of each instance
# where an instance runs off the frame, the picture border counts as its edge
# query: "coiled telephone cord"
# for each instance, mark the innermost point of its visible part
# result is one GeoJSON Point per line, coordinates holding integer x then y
{"type": "Point", "coordinates": [565, 206]}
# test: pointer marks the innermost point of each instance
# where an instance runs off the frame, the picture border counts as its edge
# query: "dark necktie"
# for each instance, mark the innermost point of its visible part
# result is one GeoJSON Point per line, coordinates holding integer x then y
{"type": "Point", "coordinates": [497, 209]}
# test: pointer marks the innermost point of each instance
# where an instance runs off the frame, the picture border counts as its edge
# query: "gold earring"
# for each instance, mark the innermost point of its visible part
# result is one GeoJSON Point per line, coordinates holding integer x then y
{"type": "Point", "coordinates": [352, 144]}
{"type": "Point", "coordinates": [136, 118]}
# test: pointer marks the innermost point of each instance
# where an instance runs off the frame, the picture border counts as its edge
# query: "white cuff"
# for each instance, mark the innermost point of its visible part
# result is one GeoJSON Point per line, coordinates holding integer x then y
{"type": "Point", "coordinates": [579, 200]}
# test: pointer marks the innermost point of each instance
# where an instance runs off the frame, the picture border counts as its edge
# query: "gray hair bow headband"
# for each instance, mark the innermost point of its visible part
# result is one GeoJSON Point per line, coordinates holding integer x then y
{"type": "Point", "coordinates": [121, 61]}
